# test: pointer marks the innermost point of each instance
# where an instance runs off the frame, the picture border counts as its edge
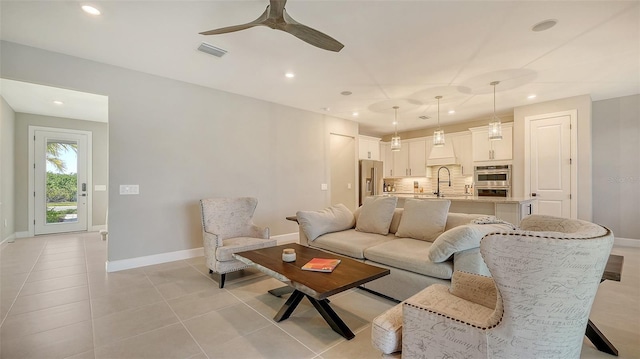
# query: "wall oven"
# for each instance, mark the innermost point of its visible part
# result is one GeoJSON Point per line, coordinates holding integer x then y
{"type": "Point", "coordinates": [493, 181]}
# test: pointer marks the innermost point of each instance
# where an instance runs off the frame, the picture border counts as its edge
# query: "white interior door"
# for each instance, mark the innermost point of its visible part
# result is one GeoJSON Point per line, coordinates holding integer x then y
{"type": "Point", "coordinates": [60, 182]}
{"type": "Point", "coordinates": [550, 165]}
{"type": "Point", "coordinates": [343, 170]}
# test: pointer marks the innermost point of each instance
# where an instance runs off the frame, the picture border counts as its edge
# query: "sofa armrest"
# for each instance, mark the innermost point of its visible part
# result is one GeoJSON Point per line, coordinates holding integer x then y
{"type": "Point", "coordinates": [303, 239]}
{"type": "Point", "coordinates": [474, 288]}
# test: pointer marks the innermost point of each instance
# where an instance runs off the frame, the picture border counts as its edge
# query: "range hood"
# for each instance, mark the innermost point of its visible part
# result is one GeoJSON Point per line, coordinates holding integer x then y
{"type": "Point", "coordinates": [441, 156]}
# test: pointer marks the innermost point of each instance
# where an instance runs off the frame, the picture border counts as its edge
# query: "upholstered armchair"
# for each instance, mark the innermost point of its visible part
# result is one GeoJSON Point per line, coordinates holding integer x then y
{"type": "Point", "coordinates": [536, 305]}
{"type": "Point", "coordinates": [227, 228]}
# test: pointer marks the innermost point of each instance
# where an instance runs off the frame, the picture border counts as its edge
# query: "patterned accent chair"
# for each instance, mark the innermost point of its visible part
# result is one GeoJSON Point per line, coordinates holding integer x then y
{"type": "Point", "coordinates": [227, 228]}
{"type": "Point", "coordinates": [536, 305]}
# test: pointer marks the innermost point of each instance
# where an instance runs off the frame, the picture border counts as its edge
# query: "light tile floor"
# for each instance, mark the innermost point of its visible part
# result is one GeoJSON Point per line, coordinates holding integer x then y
{"type": "Point", "coordinates": [57, 301]}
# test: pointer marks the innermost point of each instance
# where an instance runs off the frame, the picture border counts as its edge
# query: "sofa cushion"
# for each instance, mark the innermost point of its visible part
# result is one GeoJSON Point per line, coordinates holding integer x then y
{"type": "Point", "coordinates": [376, 214]}
{"type": "Point", "coordinates": [423, 219]}
{"type": "Point", "coordinates": [332, 219]}
{"type": "Point", "coordinates": [349, 243]}
{"type": "Point", "coordinates": [411, 255]}
{"type": "Point", "coordinates": [461, 238]}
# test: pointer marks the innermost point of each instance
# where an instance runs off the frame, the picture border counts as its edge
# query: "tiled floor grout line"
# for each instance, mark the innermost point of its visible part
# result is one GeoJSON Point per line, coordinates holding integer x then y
{"type": "Point", "coordinates": [23, 283]}
{"type": "Point", "coordinates": [176, 314]}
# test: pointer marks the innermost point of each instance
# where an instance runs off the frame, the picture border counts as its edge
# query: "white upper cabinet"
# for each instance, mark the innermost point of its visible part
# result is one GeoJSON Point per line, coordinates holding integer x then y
{"type": "Point", "coordinates": [417, 157]}
{"type": "Point", "coordinates": [368, 148]}
{"type": "Point", "coordinates": [464, 151]}
{"type": "Point", "coordinates": [486, 150]}
{"type": "Point", "coordinates": [410, 161]}
{"type": "Point", "coordinates": [401, 161]}
{"type": "Point", "coordinates": [387, 158]}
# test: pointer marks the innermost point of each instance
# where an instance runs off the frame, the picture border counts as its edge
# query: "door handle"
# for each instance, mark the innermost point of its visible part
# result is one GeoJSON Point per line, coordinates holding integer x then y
{"type": "Point", "coordinates": [84, 195]}
{"type": "Point", "coordinates": [533, 194]}
{"type": "Point", "coordinates": [84, 187]}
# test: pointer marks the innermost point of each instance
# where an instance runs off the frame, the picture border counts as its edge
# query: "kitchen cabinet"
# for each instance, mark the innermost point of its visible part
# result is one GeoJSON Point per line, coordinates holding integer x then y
{"type": "Point", "coordinates": [368, 148]}
{"type": "Point", "coordinates": [464, 151]}
{"type": "Point", "coordinates": [417, 158]}
{"type": "Point", "coordinates": [486, 150]}
{"type": "Point", "coordinates": [410, 161]}
{"type": "Point", "coordinates": [514, 212]}
{"type": "Point", "coordinates": [387, 158]}
{"type": "Point", "coordinates": [401, 161]}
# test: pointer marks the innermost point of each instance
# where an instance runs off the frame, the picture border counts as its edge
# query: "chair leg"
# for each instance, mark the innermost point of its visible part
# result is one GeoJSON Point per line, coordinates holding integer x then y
{"type": "Point", "coordinates": [222, 277]}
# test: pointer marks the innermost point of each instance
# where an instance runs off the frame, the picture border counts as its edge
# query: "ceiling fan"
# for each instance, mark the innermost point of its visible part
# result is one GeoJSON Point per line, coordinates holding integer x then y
{"type": "Point", "coordinates": [276, 17]}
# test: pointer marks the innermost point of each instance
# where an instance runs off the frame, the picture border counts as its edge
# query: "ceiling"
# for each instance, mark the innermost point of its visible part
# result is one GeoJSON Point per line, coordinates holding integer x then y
{"type": "Point", "coordinates": [52, 101]}
{"type": "Point", "coordinates": [400, 53]}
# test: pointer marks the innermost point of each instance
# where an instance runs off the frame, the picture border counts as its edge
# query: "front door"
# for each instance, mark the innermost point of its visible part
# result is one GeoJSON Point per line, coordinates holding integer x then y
{"type": "Point", "coordinates": [551, 164]}
{"type": "Point", "coordinates": [60, 181]}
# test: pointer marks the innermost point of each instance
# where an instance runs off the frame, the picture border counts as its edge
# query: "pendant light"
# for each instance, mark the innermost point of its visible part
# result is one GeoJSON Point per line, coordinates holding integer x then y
{"type": "Point", "coordinates": [495, 126]}
{"type": "Point", "coordinates": [395, 140]}
{"type": "Point", "coordinates": [438, 135]}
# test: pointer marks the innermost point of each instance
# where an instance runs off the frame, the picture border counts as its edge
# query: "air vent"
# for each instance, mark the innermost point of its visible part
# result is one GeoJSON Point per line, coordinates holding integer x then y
{"type": "Point", "coordinates": [211, 50]}
{"type": "Point", "coordinates": [423, 117]}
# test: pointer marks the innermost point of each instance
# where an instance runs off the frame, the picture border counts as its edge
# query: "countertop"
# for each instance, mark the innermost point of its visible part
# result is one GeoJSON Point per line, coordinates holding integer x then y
{"type": "Point", "coordinates": [463, 198]}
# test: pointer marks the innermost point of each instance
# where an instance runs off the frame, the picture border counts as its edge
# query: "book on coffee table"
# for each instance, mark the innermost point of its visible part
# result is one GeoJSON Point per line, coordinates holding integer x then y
{"type": "Point", "coordinates": [321, 264]}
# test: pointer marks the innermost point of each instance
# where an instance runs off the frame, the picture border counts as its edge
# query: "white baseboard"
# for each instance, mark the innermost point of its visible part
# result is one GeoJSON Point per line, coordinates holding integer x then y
{"type": "Point", "coordinates": [23, 234]}
{"type": "Point", "coordinates": [9, 239]}
{"type": "Point", "coordinates": [98, 228]}
{"type": "Point", "coordinates": [122, 264]}
{"type": "Point", "coordinates": [626, 242]}
{"type": "Point", "coordinates": [287, 238]}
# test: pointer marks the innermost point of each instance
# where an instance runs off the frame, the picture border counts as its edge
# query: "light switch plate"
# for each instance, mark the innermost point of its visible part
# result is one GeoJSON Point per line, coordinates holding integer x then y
{"type": "Point", "coordinates": [129, 189]}
{"type": "Point", "coordinates": [323, 186]}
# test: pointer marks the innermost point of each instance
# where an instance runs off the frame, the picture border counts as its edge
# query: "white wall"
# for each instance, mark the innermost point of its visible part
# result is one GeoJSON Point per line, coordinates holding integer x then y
{"type": "Point", "coordinates": [7, 184]}
{"type": "Point", "coordinates": [616, 165]}
{"type": "Point", "coordinates": [182, 142]}
{"type": "Point", "coordinates": [583, 105]}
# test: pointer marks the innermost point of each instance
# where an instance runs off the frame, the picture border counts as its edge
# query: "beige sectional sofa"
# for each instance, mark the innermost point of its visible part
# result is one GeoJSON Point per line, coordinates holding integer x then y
{"type": "Point", "coordinates": [417, 251]}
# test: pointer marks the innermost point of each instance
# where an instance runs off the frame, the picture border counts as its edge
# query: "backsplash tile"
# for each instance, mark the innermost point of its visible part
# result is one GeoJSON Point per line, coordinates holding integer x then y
{"type": "Point", "coordinates": [429, 184]}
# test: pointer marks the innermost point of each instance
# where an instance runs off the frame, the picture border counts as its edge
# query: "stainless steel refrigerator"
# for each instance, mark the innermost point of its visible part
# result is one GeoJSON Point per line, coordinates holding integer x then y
{"type": "Point", "coordinates": [371, 173]}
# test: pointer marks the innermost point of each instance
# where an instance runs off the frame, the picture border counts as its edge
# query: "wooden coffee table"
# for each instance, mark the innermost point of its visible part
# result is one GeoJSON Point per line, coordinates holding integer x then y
{"type": "Point", "coordinates": [316, 286]}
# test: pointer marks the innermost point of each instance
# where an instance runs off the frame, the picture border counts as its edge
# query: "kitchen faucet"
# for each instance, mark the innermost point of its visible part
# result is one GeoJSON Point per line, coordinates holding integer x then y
{"type": "Point", "coordinates": [437, 193]}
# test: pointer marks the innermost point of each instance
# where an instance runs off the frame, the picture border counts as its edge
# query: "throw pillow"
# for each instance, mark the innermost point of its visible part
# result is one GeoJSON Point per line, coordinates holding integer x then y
{"type": "Point", "coordinates": [423, 219]}
{"type": "Point", "coordinates": [376, 214]}
{"type": "Point", "coordinates": [461, 238]}
{"type": "Point", "coordinates": [333, 219]}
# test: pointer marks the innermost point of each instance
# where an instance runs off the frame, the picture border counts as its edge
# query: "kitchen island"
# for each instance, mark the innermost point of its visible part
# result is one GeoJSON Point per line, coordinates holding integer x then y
{"type": "Point", "coordinates": [510, 209]}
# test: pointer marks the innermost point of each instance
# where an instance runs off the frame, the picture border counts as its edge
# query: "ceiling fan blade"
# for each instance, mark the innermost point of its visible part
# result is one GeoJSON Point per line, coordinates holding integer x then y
{"type": "Point", "coordinates": [257, 22]}
{"type": "Point", "coordinates": [309, 35]}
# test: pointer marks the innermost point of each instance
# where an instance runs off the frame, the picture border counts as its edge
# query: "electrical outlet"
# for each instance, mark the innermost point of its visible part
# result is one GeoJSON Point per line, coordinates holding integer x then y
{"type": "Point", "coordinates": [348, 185]}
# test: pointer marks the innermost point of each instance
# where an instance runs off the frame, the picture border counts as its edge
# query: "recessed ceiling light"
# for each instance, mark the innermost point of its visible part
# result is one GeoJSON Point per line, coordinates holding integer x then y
{"type": "Point", "coordinates": [355, 114]}
{"type": "Point", "coordinates": [544, 25]}
{"type": "Point", "coordinates": [326, 109]}
{"type": "Point", "coordinates": [531, 96]}
{"type": "Point", "coordinates": [451, 112]}
{"type": "Point", "coordinates": [290, 75]}
{"type": "Point", "coordinates": [346, 93]}
{"type": "Point", "coordinates": [58, 102]}
{"type": "Point", "coordinates": [394, 123]}
{"type": "Point", "coordinates": [90, 10]}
